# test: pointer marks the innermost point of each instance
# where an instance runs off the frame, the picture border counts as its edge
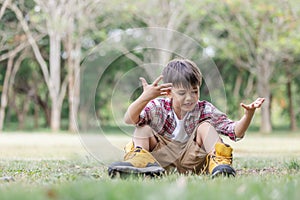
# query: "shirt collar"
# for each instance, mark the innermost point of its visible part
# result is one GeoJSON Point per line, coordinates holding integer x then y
{"type": "Point", "coordinates": [168, 105]}
{"type": "Point", "coordinates": [193, 113]}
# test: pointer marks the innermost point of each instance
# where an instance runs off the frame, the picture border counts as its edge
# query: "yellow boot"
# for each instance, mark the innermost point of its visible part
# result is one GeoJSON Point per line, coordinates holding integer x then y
{"type": "Point", "coordinates": [220, 162]}
{"type": "Point", "coordinates": [137, 161]}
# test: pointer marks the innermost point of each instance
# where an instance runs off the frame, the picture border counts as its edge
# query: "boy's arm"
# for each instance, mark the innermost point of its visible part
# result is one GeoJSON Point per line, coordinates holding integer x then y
{"type": "Point", "coordinates": [243, 124]}
{"type": "Point", "coordinates": [150, 91]}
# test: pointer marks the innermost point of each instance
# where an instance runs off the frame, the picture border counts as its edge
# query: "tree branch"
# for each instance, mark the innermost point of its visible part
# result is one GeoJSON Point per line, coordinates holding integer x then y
{"type": "Point", "coordinates": [33, 44]}
{"type": "Point", "coordinates": [3, 8]}
{"type": "Point", "coordinates": [19, 48]}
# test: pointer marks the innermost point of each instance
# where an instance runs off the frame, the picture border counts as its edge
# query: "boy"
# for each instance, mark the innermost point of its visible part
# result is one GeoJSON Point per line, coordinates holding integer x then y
{"type": "Point", "coordinates": [179, 132]}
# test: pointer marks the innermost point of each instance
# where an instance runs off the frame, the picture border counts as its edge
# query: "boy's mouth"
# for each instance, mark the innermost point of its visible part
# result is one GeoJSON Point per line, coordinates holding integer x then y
{"type": "Point", "coordinates": [188, 104]}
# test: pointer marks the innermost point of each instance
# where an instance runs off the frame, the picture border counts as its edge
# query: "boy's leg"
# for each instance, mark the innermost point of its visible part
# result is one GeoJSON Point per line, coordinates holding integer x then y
{"type": "Point", "coordinates": [164, 150]}
{"type": "Point", "coordinates": [137, 159]}
{"type": "Point", "coordinates": [143, 137]}
{"type": "Point", "coordinates": [220, 154]}
{"type": "Point", "coordinates": [207, 137]}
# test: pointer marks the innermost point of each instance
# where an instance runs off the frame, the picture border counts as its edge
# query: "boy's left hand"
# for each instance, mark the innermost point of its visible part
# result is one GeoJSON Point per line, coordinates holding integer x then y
{"type": "Point", "coordinates": [252, 106]}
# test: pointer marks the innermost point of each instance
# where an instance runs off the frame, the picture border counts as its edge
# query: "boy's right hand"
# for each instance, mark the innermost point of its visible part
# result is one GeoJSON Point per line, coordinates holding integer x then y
{"type": "Point", "coordinates": [151, 91]}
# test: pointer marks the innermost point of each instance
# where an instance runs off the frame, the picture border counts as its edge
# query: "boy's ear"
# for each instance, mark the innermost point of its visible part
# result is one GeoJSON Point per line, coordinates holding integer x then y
{"type": "Point", "coordinates": [169, 95]}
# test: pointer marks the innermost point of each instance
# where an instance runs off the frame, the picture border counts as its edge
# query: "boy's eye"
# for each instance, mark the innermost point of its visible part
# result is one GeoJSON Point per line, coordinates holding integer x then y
{"type": "Point", "coordinates": [181, 93]}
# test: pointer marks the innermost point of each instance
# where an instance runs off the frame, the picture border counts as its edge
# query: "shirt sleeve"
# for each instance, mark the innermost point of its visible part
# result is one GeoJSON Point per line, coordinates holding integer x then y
{"type": "Point", "coordinates": [152, 114]}
{"type": "Point", "coordinates": [145, 116]}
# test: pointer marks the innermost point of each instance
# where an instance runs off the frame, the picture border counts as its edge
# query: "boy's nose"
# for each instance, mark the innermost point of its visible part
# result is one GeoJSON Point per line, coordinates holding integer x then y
{"type": "Point", "coordinates": [188, 95]}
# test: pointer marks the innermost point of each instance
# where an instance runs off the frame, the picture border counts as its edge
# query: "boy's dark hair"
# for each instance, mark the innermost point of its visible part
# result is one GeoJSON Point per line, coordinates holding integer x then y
{"type": "Point", "coordinates": [182, 72]}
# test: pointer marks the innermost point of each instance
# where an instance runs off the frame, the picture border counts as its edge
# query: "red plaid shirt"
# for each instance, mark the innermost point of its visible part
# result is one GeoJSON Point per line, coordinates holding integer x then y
{"type": "Point", "coordinates": [158, 114]}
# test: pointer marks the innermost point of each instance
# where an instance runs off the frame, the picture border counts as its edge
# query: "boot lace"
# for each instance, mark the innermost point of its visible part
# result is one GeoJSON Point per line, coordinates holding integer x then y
{"type": "Point", "coordinates": [217, 159]}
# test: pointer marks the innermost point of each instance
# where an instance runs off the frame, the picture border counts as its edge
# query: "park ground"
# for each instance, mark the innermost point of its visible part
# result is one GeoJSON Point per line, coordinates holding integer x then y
{"type": "Point", "coordinates": [74, 166]}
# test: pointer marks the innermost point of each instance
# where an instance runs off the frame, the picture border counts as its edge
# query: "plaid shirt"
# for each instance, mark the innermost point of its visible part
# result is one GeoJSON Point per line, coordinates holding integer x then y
{"type": "Point", "coordinates": [158, 114]}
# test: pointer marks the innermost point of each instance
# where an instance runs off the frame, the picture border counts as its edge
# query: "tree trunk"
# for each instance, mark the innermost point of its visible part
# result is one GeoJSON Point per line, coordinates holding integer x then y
{"type": "Point", "coordinates": [265, 117]}
{"type": "Point", "coordinates": [36, 116]}
{"type": "Point", "coordinates": [22, 113]}
{"type": "Point", "coordinates": [55, 116]}
{"type": "Point", "coordinates": [293, 123]}
{"type": "Point", "coordinates": [54, 62]}
{"type": "Point", "coordinates": [73, 63]}
{"type": "Point", "coordinates": [237, 85]}
{"type": "Point", "coordinates": [263, 89]}
{"type": "Point", "coordinates": [74, 95]}
{"type": "Point", "coordinates": [43, 104]}
{"type": "Point", "coordinates": [4, 95]}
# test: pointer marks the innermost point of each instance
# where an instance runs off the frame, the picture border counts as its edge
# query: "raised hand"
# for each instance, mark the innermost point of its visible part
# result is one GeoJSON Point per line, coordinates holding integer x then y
{"type": "Point", "coordinates": [243, 124]}
{"type": "Point", "coordinates": [252, 106]}
{"type": "Point", "coordinates": [151, 91]}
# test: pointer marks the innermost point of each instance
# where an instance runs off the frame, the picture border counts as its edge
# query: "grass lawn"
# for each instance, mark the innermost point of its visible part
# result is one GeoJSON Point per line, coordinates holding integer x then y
{"type": "Point", "coordinates": [63, 166]}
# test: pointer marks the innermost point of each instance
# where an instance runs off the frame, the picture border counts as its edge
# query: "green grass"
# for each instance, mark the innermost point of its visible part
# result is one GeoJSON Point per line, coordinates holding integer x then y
{"type": "Point", "coordinates": [83, 177]}
{"type": "Point", "coordinates": [87, 179]}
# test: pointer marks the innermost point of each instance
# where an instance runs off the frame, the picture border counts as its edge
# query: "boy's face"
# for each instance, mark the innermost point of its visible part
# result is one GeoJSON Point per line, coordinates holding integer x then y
{"type": "Point", "coordinates": [184, 100]}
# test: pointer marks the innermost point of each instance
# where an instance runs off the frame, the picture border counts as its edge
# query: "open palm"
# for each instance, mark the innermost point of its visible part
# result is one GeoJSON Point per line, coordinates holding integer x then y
{"type": "Point", "coordinates": [255, 104]}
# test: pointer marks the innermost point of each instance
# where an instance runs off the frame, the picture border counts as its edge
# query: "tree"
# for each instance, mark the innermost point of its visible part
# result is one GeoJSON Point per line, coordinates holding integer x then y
{"type": "Point", "coordinates": [81, 17]}
{"type": "Point", "coordinates": [182, 16]}
{"type": "Point", "coordinates": [289, 45]}
{"type": "Point", "coordinates": [13, 41]}
{"type": "Point", "coordinates": [248, 32]}
{"type": "Point", "coordinates": [64, 22]}
{"type": "Point", "coordinates": [51, 73]}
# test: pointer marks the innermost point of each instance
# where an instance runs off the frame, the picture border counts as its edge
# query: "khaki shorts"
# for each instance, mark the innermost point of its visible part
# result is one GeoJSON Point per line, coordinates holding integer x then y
{"type": "Point", "coordinates": [182, 157]}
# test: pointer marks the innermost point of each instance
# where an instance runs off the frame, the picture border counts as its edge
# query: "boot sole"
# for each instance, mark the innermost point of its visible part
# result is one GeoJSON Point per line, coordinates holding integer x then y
{"type": "Point", "coordinates": [223, 170]}
{"type": "Point", "coordinates": [130, 171]}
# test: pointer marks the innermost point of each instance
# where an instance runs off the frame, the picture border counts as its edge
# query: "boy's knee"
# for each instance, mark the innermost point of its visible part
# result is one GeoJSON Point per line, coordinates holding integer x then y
{"type": "Point", "coordinates": [145, 128]}
{"type": "Point", "coordinates": [207, 136]}
{"type": "Point", "coordinates": [145, 131]}
{"type": "Point", "coordinates": [144, 136]}
{"type": "Point", "coordinates": [204, 127]}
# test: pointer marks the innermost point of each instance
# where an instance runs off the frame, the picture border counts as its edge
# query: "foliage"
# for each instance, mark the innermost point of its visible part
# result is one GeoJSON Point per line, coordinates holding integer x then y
{"type": "Point", "coordinates": [237, 36]}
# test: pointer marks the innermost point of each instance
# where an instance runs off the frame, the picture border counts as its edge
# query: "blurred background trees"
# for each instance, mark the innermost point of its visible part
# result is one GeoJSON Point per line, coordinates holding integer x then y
{"type": "Point", "coordinates": [255, 45]}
